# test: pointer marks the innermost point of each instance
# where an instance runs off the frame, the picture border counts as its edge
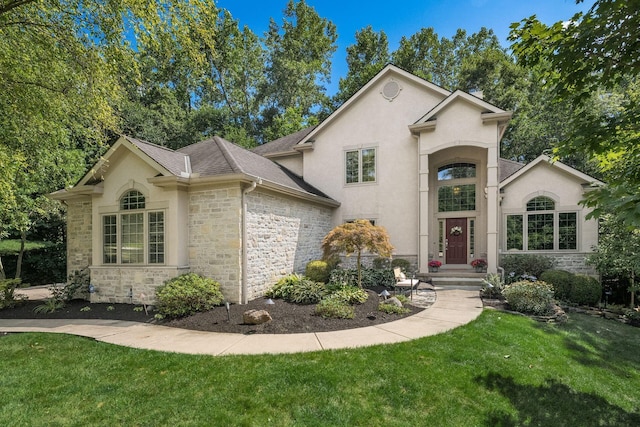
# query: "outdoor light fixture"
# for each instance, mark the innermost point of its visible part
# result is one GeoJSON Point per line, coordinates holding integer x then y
{"type": "Point", "coordinates": [92, 289]}
{"type": "Point", "coordinates": [130, 294]}
{"type": "Point", "coordinates": [269, 302]}
{"type": "Point", "coordinates": [228, 312]}
{"type": "Point", "coordinates": [384, 294]}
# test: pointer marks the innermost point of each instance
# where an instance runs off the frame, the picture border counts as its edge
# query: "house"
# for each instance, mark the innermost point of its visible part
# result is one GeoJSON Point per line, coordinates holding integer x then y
{"type": "Point", "coordinates": [402, 152]}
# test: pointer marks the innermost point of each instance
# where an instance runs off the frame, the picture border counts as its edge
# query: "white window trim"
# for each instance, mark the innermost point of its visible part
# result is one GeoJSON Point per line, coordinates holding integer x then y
{"type": "Point", "coordinates": [359, 149]}
{"type": "Point", "coordinates": [556, 230]}
{"type": "Point", "coordinates": [118, 214]}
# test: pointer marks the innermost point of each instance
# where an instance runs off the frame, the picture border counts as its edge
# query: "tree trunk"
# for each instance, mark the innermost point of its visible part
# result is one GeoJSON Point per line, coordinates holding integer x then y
{"type": "Point", "coordinates": [2, 275]}
{"type": "Point", "coordinates": [632, 304]}
{"type": "Point", "coordinates": [23, 239]}
{"type": "Point", "coordinates": [359, 272]}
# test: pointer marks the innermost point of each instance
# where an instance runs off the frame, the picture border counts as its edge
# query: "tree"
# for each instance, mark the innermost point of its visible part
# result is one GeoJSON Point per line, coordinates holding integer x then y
{"type": "Point", "coordinates": [356, 237]}
{"type": "Point", "coordinates": [618, 252]}
{"type": "Point", "coordinates": [298, 61]}
{"type": "Point", "coordinates": [595, 53]}
{"type": "Point", "coordinates": [368, 55]}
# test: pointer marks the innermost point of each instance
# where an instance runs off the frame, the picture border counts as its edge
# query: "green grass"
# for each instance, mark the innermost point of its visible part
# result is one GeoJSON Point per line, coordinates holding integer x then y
{"type": "Point", "coordinates": [500, 370]}
{"type": "Point", "coordinates": [12, 246]}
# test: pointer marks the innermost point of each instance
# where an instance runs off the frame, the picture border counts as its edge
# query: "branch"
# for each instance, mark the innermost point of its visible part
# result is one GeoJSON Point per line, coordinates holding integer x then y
{"type": "Point", "coordinates": [10, 5]}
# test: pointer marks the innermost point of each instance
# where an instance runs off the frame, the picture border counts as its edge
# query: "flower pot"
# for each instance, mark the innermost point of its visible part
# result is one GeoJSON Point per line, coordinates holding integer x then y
{"type": "Point", "coordinates": [434, 269]}
{"type": "Point", "coordinates": [481, 269]}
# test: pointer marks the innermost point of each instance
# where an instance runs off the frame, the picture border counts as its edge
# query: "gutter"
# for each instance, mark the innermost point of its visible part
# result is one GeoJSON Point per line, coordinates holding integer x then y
{"type": "Point", "coordinates": [244, 297]}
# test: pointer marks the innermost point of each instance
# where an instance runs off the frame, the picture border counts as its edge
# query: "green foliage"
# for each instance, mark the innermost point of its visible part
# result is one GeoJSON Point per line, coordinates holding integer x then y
{"type": "Point", "coordinates": [517, 266]}
{"type": "Point", "coordinates": [333, 307]}
{"type": "Point", "coordinates": [7, 293]}
{"type": "Point", "coordinates": [492, 286]}
{"type": "Point", "coordinates": [370, 277]}
{"type": "Point", "coordinates": [49, 306]}
{"type": "Point", "coordinates": [307, 292]}
{"type": "Point", "coordinates": [392, 309]}
{"type": "Point", "coordinates": [348, 294]}
{"type": "Point", "coordinates": [529, 297]}
{"type": "Point", "coordinates": [284, 287]}
{"type": "Point", "coordinates": [186, 295]}
{"type": "Point", "coordinates": [318, 271]}
{"type": "Point", "coordinates": [585, 290]}
{"type": "Point", "coordinates": [297, 289]}
{"type": "Point", "coordinates": [381, 262]}
{"type": "Point", "coordinates": [561, 280]}
{"type": "Point", "coordinates": [404, 264]}
{"type": "Point", "coordinates": [354, 238]}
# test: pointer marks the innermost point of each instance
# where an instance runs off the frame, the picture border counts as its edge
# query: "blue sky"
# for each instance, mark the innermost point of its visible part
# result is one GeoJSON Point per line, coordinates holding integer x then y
{"type": "Point", "coordinates": [405, 17]}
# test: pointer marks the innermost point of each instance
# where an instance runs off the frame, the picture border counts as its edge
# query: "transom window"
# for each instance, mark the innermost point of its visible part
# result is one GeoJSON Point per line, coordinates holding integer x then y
{"type": "Point", "coordinates": [456, 171]}
{"type": "Point", "coordinates": [133, 237]}
{"type": "Point", "coordinates": [360, 165]}
{"type": "Point", "coordinates": [542, 227]}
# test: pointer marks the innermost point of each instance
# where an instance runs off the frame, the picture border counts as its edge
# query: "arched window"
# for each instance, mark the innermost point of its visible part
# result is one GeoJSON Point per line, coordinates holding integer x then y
{"type": "Point", "coordinates": [134, 235]}
{"type": "Point", "coordinates": [542, 228]}
{"type": "Point", "coordinates": [457, 187]}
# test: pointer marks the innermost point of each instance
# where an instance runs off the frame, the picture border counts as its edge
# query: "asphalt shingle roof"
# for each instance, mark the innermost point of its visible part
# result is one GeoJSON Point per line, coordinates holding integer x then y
{"type": "Point", "coordinates": [284, 144]}
{"type": "Point", "coordinates": [171, 160]}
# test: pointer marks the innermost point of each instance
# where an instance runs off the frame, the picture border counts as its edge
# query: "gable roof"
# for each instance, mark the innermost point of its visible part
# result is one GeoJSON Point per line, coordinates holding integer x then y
{"type": "Point", "coordinates": [586, 179]}
{"type": "Point", "coordinates": [508, 168]}
{"type": "Point", "coordinates": [457, 95]}
{"type": "Point", "coordinates": [387, 71]}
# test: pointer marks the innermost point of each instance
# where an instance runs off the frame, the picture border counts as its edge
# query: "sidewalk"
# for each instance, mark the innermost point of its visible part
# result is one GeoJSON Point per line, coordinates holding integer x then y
{"type": "Point", "coordinates": [454, 306]}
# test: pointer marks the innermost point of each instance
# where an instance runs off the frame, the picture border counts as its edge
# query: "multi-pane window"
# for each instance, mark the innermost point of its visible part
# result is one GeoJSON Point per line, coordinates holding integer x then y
{"type": "Point", "coordinates": [453, 198]}
{"type": "Point", "coordinates": [360, 165]}
{"type": "Point", "coordinates": [542, 228]}
{"type": "Point", "coordinates": [129, 238]}
{"type": "Point", "coordinates": [457, 191]}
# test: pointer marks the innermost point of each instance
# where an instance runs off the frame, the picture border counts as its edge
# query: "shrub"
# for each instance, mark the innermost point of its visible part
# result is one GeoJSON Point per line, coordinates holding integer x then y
{"type": "Point", "coordinates": [8, 298]}
{"type": "Point", "coordinates": [561, 281]}
{"type": "Point", "coordinates": [335, 308]}
{"type": "Point", "coordinates": [307, 292]}
{"type": "Point", "coordinates": [402, 263]}
{"type": "Point", "coordinates": [492, 286]}
{"type": "Point", "coordinates": [529, 297]}
{"type": "Point", "coordinates": [318, 271]}
{"type": "Point", "coordinates": [284, 287]}
{"type": "Point", "coordinates": [381, 262]}
{"type": "Point", "coordinates": [370, 277]}
{"type": "Point", "coordinates": [349, 294]}
{"type": "Point", "coordinates": [392, 309]}
{"type": "Point", "coordinates": [187, 294]}
{"type": "Point", "coordinates": [585, 290]}
{"type": "Point", "coordinates": [518, 265]}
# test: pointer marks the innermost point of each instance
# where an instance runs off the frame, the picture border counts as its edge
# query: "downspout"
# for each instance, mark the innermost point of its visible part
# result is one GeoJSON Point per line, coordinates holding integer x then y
{"type": "Point", "coordinates": [244, 299]}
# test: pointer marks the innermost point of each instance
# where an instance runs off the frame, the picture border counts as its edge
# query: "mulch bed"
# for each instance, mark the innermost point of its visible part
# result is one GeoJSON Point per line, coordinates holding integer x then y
{"type": "Point", "coordinates": [287, 318]}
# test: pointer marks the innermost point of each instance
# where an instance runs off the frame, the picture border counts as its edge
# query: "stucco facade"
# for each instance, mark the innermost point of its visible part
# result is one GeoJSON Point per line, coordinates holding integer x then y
{"type": "Point", "coordinates": [408, 155]}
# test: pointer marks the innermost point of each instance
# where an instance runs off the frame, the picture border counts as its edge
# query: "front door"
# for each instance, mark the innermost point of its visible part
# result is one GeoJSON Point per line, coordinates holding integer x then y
{"type": "Point", "coordinates": [456, 241]}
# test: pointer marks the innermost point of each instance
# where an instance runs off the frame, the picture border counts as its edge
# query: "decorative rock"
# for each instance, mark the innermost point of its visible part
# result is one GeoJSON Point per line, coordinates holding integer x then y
{"type": "Point", "coordinates": [393, 301]}
{"type": "Point", "coordinates": [256, 317]}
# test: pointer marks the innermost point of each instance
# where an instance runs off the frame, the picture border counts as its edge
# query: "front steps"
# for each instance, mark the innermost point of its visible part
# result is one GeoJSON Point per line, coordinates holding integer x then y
{"type": "Point", "coordinates": [448, 276]}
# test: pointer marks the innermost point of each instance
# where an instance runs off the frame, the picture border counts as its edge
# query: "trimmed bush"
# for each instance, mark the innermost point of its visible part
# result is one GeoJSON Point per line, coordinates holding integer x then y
{"type": "Point", "coordinates": [585, 290]}
{"type": "Point", "coordinates": [186, 295]}
{"type": "Point", "coordinates": [519, 266]}
{"type": "Point", "coordinates": [335, 308]}
{"type": "Point", "coordinates": [492, 286]}
{"type": "Point", "coordinates": [318, 271]}
{"type": "Point", "coordinates": [307, 292]}
{"type": "Point", "coordinates": [561, 281]}
{"type": "Point", "coordinates": [529, 297]}
{"type": "Point", "coordinates": [7, 293]}
{"type": "Point", "coordinates": [348, 294]}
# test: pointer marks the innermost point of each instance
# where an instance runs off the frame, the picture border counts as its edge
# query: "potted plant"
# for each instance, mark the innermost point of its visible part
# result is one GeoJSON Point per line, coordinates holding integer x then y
{"type": "Point", "coordinates": [479, 264]}
{"type": "Point", "coordinates": [434, 265]}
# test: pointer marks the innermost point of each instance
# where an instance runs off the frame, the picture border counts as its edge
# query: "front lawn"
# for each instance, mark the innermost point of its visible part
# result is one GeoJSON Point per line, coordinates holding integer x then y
{"type": "Point", "coordinates": [501, 369]}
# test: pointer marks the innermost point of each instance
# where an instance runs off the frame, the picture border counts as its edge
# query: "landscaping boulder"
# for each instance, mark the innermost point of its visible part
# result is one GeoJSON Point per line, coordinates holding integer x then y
{"type": "Point", "coordinates": [256, 317]}
{"type": "Point", "coordinates": [393, 301]}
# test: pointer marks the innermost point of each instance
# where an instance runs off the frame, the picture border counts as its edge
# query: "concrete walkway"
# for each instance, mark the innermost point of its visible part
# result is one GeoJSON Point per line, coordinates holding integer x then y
{"type": "Point", "coordinates": [454, 306]}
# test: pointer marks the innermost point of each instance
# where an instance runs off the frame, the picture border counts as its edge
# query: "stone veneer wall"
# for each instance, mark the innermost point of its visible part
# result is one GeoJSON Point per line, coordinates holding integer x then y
{"type": "Point", "coordinates": [79, 241]}
{"type": "Point", "coordinates": [283, 235]}
{"type": "Point", "coordinates": [215, 235]}
{"type": "Point", "coordinates": [113, 283]}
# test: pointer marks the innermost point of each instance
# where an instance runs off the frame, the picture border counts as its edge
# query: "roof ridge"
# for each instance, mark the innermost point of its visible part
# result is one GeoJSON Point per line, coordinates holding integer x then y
{"type": "Point", "coordinates": [142, 141]}
{"type": "Point", "coordinates": [229, 157]}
